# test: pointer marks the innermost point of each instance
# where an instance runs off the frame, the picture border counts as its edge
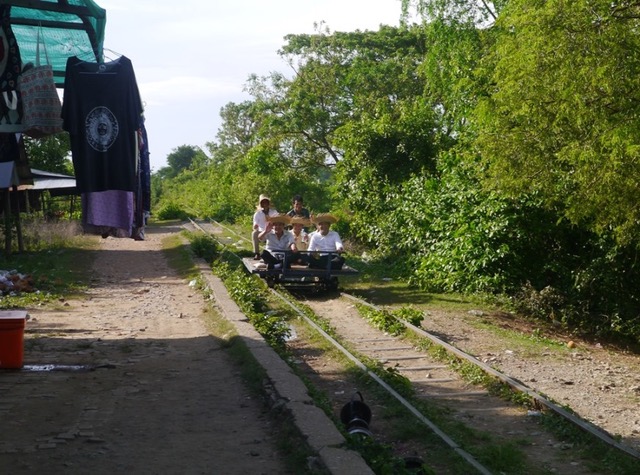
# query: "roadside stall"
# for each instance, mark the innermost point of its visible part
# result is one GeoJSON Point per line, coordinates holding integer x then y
{"type": "Point", "coordinates": [50, 49]}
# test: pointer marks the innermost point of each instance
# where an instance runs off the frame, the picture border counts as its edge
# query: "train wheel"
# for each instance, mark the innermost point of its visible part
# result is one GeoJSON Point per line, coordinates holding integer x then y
{"type": "Point", "coordinates": [332, 285]}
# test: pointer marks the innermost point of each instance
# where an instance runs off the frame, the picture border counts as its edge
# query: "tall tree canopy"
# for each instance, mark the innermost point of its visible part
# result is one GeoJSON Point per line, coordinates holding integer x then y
{"type": "Point", "coordinates": [491, 148]}
{"type": "Point", "coordinates": [561, 117]}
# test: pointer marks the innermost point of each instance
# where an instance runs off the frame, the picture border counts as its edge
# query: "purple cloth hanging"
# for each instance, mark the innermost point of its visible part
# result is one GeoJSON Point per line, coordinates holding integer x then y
{"type": "Point", "coordinates": [108, 212]}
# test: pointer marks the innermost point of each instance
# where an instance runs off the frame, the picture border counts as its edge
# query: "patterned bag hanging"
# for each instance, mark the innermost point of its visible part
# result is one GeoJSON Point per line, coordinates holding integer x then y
{"type": "Point", "coordinates": [41, 106]}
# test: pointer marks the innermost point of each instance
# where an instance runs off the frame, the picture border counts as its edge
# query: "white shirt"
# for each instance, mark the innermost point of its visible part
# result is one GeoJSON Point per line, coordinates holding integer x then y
{"type": "Point", "coordinates": [329, 243]}
{"type": "Point", "coordinates": [274, 244]}
{"type": "Point", "coordinates": [260, 218]}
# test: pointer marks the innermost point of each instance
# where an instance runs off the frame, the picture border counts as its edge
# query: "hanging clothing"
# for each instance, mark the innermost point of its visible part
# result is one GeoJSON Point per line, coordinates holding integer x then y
{"type": "Point", "coordinates": [109, 213]}
{"type": "Point", "coordinates": [101, 110]}
{"type": "Point", "coordinates": [10, 68]}
{"type": "Point", "coordinates": [142, 200]}
{"type": "Point", "coordinates": [9, 149]}
{"type": "Point", "coordinates": [145, 168]}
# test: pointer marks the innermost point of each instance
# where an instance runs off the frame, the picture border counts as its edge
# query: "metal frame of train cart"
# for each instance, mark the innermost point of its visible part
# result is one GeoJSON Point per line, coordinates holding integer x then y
{"type": "Point", "coordinates": [299, 276]}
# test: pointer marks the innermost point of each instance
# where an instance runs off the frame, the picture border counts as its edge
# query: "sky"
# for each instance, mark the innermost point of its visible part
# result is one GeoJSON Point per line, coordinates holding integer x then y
{"type": "Point", "coordinates": [192, 57]}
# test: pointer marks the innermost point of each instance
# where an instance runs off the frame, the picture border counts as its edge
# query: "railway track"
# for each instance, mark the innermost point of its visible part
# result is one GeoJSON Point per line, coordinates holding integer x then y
{"type": "Point", "coordinates": [403, 358]}
{"type": "Point", "coordinates": [432, 380]}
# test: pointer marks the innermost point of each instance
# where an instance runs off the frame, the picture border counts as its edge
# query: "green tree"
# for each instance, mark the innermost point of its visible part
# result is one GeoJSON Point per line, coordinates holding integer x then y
{"type": "Point", "coordinates": [238, 132]}
{"type": "Point", "coordinates": [356, 102]}
{"type": "Point", "coordinates": [183, 158]}
{"type": "Point", "coordinates": [560, 119]}
{"type": "Point", "coordinates": [51, 154]}
{"type": "Point", "coordinates": [482, 12]}
{"type": "Point", "coordinates": [337, 77]}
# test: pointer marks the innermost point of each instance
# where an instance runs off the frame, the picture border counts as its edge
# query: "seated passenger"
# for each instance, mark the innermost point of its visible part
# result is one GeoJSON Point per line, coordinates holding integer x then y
{"type": "Point", "coordinates": [300, 238]}
{"type": "Point", "coordinates": [298, 208]}
{"type": "Point", "coordinates": [278, 241]}
{"type": "Point", "coordinates": [324, 241]}
{"type": "Point", "coordinates": [260, 222]}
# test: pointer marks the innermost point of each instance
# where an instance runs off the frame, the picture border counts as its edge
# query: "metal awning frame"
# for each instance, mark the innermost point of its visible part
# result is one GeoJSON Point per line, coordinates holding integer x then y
{"type": "Point", "coordinates": [60, 22]}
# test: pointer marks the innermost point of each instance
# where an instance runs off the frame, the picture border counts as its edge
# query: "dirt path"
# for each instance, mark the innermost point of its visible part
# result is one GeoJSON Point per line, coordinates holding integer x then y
{"type": "Point", "coordinates": [139, 385]}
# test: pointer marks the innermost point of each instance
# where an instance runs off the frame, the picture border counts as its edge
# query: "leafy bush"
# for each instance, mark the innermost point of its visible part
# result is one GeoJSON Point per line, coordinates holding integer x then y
{"type": "Point", "coordinates": [545, 304]}
{"type": "Point", "coordinates": [409, 314]}
{"type": "Point", "coordinates": [205, 247]}
{"type": "Point", "coordinates": [382, 319]}
{"type": "Point", "coordinates": [251, 296]}
{"type": "Point", "coordinates": [171, 210]}
{"type": "Point", "coordinates": [451, 235]}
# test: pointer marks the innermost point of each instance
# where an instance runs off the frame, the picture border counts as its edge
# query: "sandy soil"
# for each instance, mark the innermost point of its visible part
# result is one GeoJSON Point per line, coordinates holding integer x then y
{"type": "Point", "coordinates": [129, 380]}
{"type": "Point", "coordinates": [598, 382]}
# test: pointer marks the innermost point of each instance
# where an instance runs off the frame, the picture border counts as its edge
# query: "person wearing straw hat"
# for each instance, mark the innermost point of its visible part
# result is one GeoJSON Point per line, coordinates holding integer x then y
{"type": "Point", "coordinates": [325, 241]}
{"type": "Point", "coordinates": [278, 241]}
{"type": "Point", "coordinates": [260, 222]}
{"type": "Point", "coordinates": [300, 237]}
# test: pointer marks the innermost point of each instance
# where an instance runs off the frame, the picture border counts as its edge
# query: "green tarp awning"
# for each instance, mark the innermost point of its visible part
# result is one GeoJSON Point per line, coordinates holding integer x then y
{"type": "Point", "coordinates": [69, 28]}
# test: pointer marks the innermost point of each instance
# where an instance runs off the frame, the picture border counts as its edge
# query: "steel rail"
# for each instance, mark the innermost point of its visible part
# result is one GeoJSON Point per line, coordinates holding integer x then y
{"type": "Point", "coordinates": [514, 384]}
{"type": "Point", "coordinates": [448, 440]}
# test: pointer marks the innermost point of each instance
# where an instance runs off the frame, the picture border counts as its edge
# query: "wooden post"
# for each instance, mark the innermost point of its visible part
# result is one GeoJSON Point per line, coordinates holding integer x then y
{"type": "Point", "coordinates": [19, 226]}
{"type": "Point", "coordinates": [7, 223]}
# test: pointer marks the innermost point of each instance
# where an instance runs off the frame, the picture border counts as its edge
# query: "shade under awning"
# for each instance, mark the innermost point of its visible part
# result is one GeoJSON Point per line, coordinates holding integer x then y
{"type": "Point", "coordinates": [68, 27]}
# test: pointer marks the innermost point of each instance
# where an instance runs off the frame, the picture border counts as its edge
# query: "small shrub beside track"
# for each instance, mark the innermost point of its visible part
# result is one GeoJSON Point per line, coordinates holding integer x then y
{"type": "Point", "coordinates": [251, 296]}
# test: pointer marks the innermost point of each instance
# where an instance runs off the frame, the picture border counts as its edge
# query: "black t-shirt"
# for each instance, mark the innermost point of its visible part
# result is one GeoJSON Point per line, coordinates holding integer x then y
{"type": "Point", "coordinates": [101, 110]}
{"type": "Point", "coordinates": [304, 212]}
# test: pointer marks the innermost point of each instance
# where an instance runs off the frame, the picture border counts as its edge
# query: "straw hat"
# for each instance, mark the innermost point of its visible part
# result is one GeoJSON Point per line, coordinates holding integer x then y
{"type": "Point", "coordinates": [262, 198]}
{"type": "Point", "coordinates": [300, 220]}
{"type": "Point", "coordinates": [279, 218]}
{"type": "Point", "coordinates": [324, 218]}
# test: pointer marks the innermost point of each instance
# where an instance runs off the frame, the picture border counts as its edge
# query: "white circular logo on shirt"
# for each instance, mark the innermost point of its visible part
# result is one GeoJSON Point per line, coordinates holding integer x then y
{"type": "Point", "coordinates": [102, 128]}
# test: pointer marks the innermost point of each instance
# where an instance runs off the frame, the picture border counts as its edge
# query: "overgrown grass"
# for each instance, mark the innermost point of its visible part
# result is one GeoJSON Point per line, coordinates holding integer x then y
{"type": "Point", "coordinates": [39, 234]}
{"type": "Point", "coordinates": [180, 256]}
{"type": "Point", "coordinates": [57, 258]}
{"type": "Point", "coordinates": [204, 246]}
